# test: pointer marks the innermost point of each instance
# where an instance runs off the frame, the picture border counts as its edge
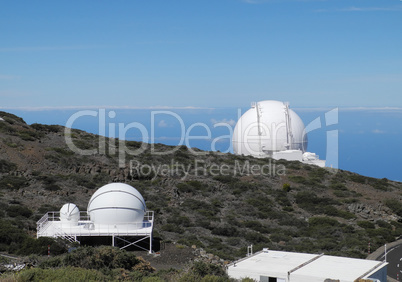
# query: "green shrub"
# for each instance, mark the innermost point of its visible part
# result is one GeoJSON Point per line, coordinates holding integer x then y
{"type": "Point", "coordinates": [189, 240]}
{"type": "Point", "coordinates": [395, 206]}
{"type": "Point", "coordinates": [203, 269]}
{"type": "Point", "coordinates": [366, 224]}
{"type": "Point", "coordinates": [6, 166]}
{"type": "Point", "coordinates": [179, 220]}
{"type": "Point", "coordinates": [282, 198]}
{"type": "Point", "coordinates": [49, 182]}
{"type": "Point", "coordinates": [338, 186]}
{"type": "Point", "coordinates": [242, 187]}
{"type": "Point", "coordinates": [28, 135]}
{"type": "Point", "coordinates": [84, 181]}
{"type": "Point", "coordinates": [358, 178]}
{"type": "Point", "coordinates": [4, 127]}
{"type": "Point", "coordinates": [226, 230]}
{"type": "Point", "coordinates": [58, 274]}
{"type": "Point", "coordinates": [225, 178]}
{"type": "Point", "coordinates": [62, 151]}
{"type": "Point", "coordinates": [345, 214]}
{"type": "Point", "coordinates": [289, 220]}
{"type": "Point", "coordinates": [286, 187]}
{"type": "Point", "coordinates": [46, 128]}
{"type": "Point", "coordinates": [299, 179]}
{"type": "Point", "coordinates": [10, 234]}
{"type": "Point", "coordinates": [104, 257]}
{"type": "Point", "coordinates": [379, 184]}
{"type": "Point", "coordinates": [191, 186]}
{"type": "Point", "coordinates": [318, 172]}
{"type": "Point", "coordinates": [203, 208]}
{"type": "Point", "coordinates": [322, 221]}
{"type": "Point", "coordinates": [17, 210]}
{"type": "Point", "coordinates": [262, 203]}
{"type": "Point", "coordinates": [13, 182]}
{"type": "Point", "coordinates": [257, 226]}
{"type": "Point", "coordinates": [10, 118]}
{"type": "Point", "coordinates": [40, 246]}
{"type": "Point", "coordinates": [172, 228]}
{"type": "Point", "coordinates": [310, 202]}
{"type": "Point", "coordinates": [381, 235]}
{"type": "Point", "coordinates": [277, 237]}
{"type": "Point", "coordinates": [254, 238]}
{"type": "Point", "coordinates": [384, 224]}
{"type": "Point", "coordinates": [341, 194]}
{"type": "Point", "coordinates": [233, 241]}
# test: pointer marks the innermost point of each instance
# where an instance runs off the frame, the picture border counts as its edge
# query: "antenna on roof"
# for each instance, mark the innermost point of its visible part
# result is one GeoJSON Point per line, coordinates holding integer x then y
{"type": "Point", "coordinates": [250, 250]}
{"type": "Point", "coordinates": [289, 134]}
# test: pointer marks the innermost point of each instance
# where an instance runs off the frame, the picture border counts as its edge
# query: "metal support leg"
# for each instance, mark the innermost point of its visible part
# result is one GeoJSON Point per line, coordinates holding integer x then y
{"type": "Point", "coordinates": [150, 244]}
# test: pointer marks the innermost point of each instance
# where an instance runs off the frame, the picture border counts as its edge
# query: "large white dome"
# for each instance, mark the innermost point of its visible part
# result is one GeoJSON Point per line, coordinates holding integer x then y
{"type": "Point", "coordinates": [269, 126]}
{"type": "Point", "coordinates": [116, 203]}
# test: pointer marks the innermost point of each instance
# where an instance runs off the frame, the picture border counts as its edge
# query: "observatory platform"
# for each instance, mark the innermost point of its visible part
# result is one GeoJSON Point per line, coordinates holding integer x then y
{"type": "Point", "coordinates": [116, 210]}
{"type": "Point", "coordinates": [51, 225]}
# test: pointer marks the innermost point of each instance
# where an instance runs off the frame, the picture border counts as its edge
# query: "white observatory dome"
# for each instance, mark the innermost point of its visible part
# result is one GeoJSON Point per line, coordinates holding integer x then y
{"type": "Point", "coordinates": [69, 214]}
{"type": "Point", "coordinates": [268, 127]}
{"type": "Point", "coordinates": [116, 203]}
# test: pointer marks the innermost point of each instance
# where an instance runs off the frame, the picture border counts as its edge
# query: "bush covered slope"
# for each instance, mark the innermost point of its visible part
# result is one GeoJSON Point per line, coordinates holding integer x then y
{"type": "Point", "coordinates": [220, 202]}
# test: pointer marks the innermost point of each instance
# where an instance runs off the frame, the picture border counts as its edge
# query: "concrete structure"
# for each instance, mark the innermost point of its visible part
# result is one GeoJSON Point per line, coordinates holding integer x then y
{"type": "Point", "coordinates": [115, 210]}
{"type": "Point", "coordinates": [278, 266]}
{"type": "Point", "coordinates": [272, 129]}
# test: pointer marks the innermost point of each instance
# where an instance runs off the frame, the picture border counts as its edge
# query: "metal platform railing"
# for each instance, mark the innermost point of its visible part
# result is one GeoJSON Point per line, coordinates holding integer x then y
{"type": "Point", "coordinates": [50, 225]}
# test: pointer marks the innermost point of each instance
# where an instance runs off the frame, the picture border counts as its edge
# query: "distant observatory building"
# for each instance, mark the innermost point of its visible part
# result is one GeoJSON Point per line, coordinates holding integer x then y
{"type": "Point", "coordinates": [271, 129]}
{"type": "Point", "coordinates": [116, 210]}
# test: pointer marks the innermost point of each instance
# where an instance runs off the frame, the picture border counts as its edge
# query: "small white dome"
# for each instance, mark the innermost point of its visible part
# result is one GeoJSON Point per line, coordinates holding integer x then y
{"type": "Point", "coordinates": [116, 203]}
{"type": "Point", "coordinates": [269, 126]}
{"type": "Point", "coordinates": [69, 214]}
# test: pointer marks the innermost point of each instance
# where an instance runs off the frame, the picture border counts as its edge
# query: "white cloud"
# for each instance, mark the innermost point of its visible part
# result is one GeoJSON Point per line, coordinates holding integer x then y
{"type": "Point", "coordinates": [278, 1]}
{"type": "Point", "coordinates": [163, 123]}
{"type": "Point", "coordinates": [350, 109]}
{"type": "Point", "coordinates": [253, 1]}
{"type": "Point", "coordinates": [8, 77]}
{"type": "Point", "coordinates": [52, 48]}
{"type": "Point", "coordinates": [362, 9]}
{"type": "Point", "coordinates": [378, 131]}
{"type": "Point", "coordinates": [230, 122]}
{"type": "Point", "coordinates": [372, 109]}
{"type": "Point", "coordinates": [13, 94]}
{"type": "Point", "coordinates": [50, 108]}
{"type": "Point", "coordinates": [371, 9]}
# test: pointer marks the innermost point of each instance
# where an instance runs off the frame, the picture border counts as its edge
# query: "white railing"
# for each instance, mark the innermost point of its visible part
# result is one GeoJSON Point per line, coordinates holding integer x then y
{"type": "Point", "coordinates": [42, 223]}
{"type": "Point", "coordinates": [87, 228]}
{"type": "Point", "coordinates": [149, 216]}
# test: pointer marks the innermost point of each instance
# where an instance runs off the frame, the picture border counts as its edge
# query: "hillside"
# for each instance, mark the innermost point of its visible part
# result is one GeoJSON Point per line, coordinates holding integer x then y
{"type": "Point", "coordinates": [219, 202]}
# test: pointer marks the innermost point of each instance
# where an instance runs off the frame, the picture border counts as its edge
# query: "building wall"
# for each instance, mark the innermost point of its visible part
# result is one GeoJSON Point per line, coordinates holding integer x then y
{"type": "Point", "coordinates": [380, 274]}
{"type": "Point", "coordinates": [239, 273]}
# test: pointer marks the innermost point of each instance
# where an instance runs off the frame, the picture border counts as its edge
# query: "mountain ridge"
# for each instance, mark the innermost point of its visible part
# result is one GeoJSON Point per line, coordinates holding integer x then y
{"type": "Point", "coordinates": [221, 205]}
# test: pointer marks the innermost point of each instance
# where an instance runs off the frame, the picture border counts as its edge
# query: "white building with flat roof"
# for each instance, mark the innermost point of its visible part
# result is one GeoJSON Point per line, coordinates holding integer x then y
{"type": "Point", "coordinates": [278, 266]}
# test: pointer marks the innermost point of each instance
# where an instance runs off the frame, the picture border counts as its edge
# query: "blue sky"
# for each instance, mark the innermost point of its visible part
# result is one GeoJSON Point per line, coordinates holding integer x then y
{"type": "Point", "coordinates": [200, 53]}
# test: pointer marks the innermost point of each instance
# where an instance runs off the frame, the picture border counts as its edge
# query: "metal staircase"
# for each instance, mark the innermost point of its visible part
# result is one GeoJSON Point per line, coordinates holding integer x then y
{"type": "Point", "coordinates": [58, 233]}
